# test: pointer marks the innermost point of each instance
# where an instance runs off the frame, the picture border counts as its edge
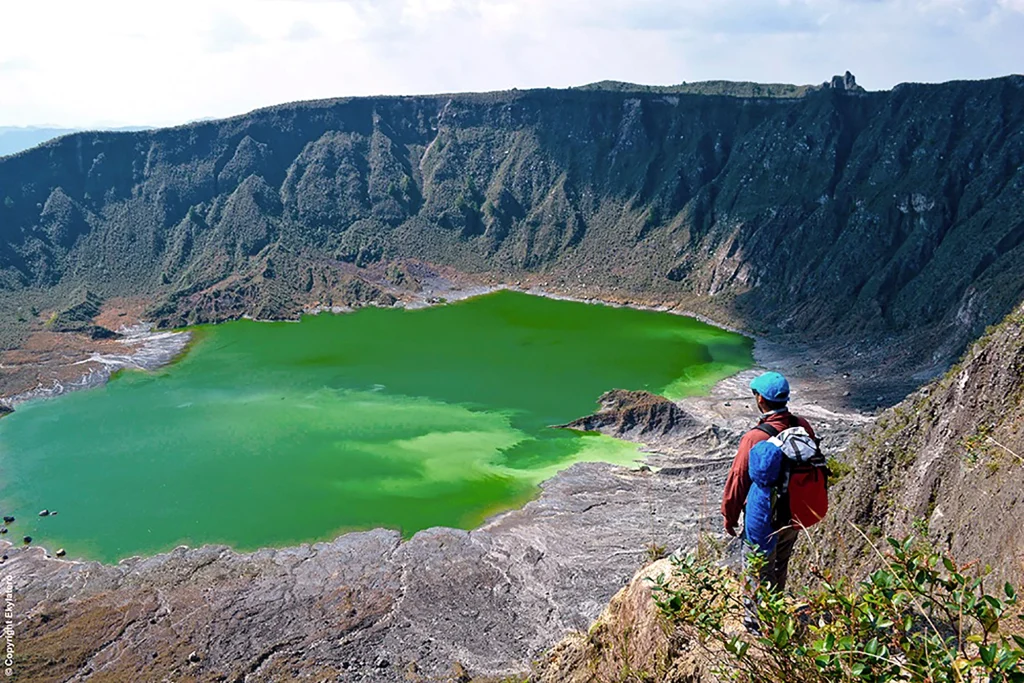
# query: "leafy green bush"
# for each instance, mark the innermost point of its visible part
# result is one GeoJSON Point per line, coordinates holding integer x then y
{"type": "Point", "coordinates": [921, 618]}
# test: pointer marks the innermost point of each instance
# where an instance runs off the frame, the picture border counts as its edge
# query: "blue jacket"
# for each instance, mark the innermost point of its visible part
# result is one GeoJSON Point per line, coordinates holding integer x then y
{"type": "Point", "coordinates": [764, 465]}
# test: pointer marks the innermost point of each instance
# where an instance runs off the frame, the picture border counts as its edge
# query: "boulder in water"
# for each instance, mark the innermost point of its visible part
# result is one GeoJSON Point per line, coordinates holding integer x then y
{"type": "Point", "coordinates": [60, 552]}
{"type": "Point", "coordinates": [44, 513]}
{"type": "Point", "coordinates": [8, 519]}
{"type": "Point", "coordinates": [640, 415]}
{"type": "Point", "coordinates": [27, 540]}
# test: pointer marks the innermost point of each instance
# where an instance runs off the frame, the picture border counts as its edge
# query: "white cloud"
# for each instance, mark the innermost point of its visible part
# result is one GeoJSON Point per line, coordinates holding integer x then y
{"type": "Point", "coordinates": [301, 31]}
{"type": "Point", "coordinates": [228, 32]}
{"type": "Point", "coordinates": [129, 62]}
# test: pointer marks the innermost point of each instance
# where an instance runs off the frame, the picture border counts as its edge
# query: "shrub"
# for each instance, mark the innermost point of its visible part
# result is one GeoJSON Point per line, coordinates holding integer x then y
{"type": "Point", "coordinates": [922, 617]}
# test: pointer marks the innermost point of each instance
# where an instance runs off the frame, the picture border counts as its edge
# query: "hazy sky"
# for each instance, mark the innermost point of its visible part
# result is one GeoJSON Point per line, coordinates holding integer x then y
{"type": "Point", "coordinates": [108, 62]}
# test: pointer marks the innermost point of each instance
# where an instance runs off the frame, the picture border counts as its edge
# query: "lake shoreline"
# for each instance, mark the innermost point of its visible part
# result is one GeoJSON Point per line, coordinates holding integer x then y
{"type": "Point", "coordinates": [577, 352]}
{"type": "Point", "coordinates": [482, 290]}
{"type": "Point", "coordinates": [158, 350]}
{"type": "Point", "coordinates": [161, 348]}
{"type": "Point", "coordinates": [492, 598]}
{"type": "Point", "coordinates": [150, 350]}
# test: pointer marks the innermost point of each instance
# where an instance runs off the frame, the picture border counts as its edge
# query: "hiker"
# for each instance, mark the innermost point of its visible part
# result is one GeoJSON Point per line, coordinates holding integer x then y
{"type": "Point", "coordinates": [770, 525]}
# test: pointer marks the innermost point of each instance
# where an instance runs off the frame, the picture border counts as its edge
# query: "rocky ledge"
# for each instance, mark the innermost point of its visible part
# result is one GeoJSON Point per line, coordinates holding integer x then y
{"type": "Point", "coordinates": [630, 635]}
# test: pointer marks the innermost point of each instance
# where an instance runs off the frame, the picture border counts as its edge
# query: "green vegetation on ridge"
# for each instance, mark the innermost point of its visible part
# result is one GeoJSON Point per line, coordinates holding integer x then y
{"type": "Point", "coordinates": [726, 88]}
{"type": "Point", "coordinates": [922, 618]}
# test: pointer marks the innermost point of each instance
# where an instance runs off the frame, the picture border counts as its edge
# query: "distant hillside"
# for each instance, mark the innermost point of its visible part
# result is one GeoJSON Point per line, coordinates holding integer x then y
{"type": "Point", "coordinates": [17, 139]}
{"type": "Point", "coordinates": [14, 139]}
{"type": "Point", "coordinates": [841, 212]}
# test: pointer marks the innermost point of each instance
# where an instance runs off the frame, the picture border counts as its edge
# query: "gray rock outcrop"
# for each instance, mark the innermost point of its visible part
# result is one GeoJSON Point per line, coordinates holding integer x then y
{"type": "Point", "coordinates": [639, 416]}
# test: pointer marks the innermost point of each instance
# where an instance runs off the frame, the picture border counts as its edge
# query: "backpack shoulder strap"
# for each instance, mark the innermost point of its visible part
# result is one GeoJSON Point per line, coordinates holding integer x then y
{"type": "Point", "coordinates": [771, 431]}
{"type": "Point", "coordinates": [794, 421]}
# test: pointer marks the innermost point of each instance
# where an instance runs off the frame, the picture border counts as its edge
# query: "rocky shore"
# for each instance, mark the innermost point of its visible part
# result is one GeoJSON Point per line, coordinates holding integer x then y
{"type": "Point", "coordinates": [445, 605]}
{"type": "Point", "coordinates": [138, 347]}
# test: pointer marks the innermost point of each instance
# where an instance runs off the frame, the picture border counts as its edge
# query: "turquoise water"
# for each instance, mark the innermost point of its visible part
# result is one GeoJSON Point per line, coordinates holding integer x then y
{"type": "Point", "coordinates": [279, 433]}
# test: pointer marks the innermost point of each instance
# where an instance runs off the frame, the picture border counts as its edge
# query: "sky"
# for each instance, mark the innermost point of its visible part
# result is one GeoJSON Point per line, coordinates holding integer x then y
{"type": "Point", "coordinates": [106, 63]}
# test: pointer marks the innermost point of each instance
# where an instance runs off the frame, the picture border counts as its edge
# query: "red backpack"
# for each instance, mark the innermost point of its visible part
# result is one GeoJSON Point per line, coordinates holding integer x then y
{"type": "Point", "coordinates": [803, 481]}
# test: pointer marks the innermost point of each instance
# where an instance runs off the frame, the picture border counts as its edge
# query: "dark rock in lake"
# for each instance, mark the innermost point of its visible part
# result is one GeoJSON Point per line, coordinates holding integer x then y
{"type": "Point", "coordinates": [27, 540]}
{"type": "Point", "coordinates": [8, 519]}
{"type": "Point", "coordinates": [44, 513]}
{"type": "Point", "coordinates": [640, 416]}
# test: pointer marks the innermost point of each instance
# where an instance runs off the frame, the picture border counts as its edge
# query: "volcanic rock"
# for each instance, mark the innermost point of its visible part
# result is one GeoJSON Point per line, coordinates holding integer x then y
{"type": "Point", "coordinates": [639, 416]}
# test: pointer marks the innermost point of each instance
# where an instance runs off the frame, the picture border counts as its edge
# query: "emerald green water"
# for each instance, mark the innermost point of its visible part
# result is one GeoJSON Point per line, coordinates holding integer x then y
{"type": "Point", "coordinates": [278, 433]}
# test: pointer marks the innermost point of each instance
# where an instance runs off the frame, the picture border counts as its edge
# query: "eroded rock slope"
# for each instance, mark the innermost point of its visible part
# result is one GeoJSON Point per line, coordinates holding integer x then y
{"type": "Point", "coordinates": [824, 212]}
{"type": "Point", "coordinates": [946, 464]}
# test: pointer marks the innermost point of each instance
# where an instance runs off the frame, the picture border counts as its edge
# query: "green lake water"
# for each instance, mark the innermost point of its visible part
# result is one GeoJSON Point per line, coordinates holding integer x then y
{"type": "Point", "coordinates": [279, 433]}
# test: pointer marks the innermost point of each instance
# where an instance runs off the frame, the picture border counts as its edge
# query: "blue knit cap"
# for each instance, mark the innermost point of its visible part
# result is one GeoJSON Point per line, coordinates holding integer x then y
{"type": "Point", "coordinates": [772, 387]}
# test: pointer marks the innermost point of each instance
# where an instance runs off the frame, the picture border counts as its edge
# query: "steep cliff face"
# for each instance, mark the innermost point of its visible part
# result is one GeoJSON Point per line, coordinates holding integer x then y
{"type": "Point", "coordinates": [828, 213]}
{"type": "Point", "coordinates": [945, 464]}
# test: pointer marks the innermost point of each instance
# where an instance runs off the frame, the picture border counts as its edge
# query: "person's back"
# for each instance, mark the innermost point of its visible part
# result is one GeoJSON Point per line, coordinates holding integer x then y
{"type": "Point", "coordinates": [771, 391]}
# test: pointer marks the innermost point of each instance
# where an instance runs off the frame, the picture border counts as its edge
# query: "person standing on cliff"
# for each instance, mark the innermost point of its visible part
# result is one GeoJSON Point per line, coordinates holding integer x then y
{"type": "Point", "coordinates": [771, 392]}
